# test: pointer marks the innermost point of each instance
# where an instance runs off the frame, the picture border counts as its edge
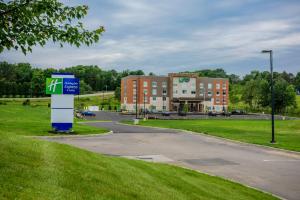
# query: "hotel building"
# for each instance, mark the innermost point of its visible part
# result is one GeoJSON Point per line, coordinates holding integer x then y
{"type": "Point", "coordinates": [170, 93]}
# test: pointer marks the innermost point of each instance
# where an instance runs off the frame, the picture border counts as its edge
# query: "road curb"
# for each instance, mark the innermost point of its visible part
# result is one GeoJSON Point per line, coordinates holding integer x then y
{"type": "Point", "coordinates": [70, 136]}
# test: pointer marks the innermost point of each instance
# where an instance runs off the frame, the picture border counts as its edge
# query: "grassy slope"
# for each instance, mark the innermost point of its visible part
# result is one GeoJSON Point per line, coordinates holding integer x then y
{"type": "Point", "coordinates": [28, 120]}
{"type": "Point", "coordinates": [87, 101]}
{"type": "Point", "coordinates": [34, 169]}
{"type": "Point", "coordinates": [287, 133]}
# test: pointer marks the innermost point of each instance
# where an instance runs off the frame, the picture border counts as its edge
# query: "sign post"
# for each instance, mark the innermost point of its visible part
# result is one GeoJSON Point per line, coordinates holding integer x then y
{"type": "Point", "coordinates": [62, 87]}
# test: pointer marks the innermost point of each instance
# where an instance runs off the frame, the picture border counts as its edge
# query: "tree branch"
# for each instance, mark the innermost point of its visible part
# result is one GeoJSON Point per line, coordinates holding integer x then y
{"type": "Point", "coordinates": [15, 8]}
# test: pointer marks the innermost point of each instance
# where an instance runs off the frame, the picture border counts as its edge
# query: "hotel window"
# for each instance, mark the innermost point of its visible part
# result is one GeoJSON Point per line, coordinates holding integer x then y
{"type": "Point", "coordinates": [154, 84]}
{"type": "Point", "coordinates": [217, 100]}
{"type": "Point", "coordinates": [145, 84]}
{"type": "Point", "coordinates": [146, 100]}
{"type": "Point", "coordinates": [184, 91]}
{"type": "Point", "coordinates": [145, 91]}
{"type": "Point", "coordinates": [209, 93]}
{"type": "Point", "coordinates": [134, 99]}
{"type": "Point", "coordinates": [224, 85]}
{"type": "Point", "coordinates": [164, 84]}
{"type": "Point", "coordinates": [201, 85]}
{"type": "Point", "coordinates": [154, 92]}
{"type": "Point", "coordinates": [164, 107]}
{"type": "Point", "coordinates": [224, 92]}
{"type": "Point", "coordinates": [164, 98]}
{"type": "Point", "coordinates": [175, 92]}
{"type": "Point", "coordinates": [154, 98]}
{"type": "Point", "coordinates": [134, 83]}
{"type": "Point", "coordinates": [193, 92]}
{"type": "Point", "coordinates": [209, 86]}
{"type": "Point", "coordinates": [134, 91]}
{"type": "Point", "coordinates": [218, 86]}
{"type": "Point", "coordinates": [218, 93]}
{"type": "Point", "coordinates": [164, 91]}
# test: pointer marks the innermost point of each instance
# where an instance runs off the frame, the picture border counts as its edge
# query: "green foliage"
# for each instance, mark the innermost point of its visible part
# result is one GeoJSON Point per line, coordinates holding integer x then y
{"type": "Point", "coordinates": [26, 102]}
{"type": "Point", "coordinates": [118, 93]}
{"type": "Point", "coordinates": [26, 23]}
{"type": "Point", "coordinates": [185, 108]}
{"type": "Point", "coordinates": [85, 88]}
{"type": "Point", "coordinates": [22, 79]}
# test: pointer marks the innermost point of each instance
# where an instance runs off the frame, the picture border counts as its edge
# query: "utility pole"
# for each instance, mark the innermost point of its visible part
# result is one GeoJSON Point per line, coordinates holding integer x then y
{"type": "Point", "coordinates": [272, 93]}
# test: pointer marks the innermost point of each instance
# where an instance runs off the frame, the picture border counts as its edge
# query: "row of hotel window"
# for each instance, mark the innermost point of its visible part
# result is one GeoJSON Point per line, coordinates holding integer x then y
{"type": "Point", "coordinates": [164, 99]}
{"type": "Point", "coordinates": [164, 92]}
{"type": "Point", "coordinates": [153, 84]}
{"type": "Point", "coordinates": [202, 92]}
{"type": "Point", "coordinates": [164, 85]}
{"type": "Point", "coordinates": [146, 99]}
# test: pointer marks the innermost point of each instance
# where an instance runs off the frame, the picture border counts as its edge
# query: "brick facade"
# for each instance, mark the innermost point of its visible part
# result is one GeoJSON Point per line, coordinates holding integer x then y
{"type": "Point", "coordinates": [170, 93]}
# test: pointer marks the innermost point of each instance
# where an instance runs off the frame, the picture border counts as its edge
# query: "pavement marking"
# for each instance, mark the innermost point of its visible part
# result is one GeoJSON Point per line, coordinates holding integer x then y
{"type": "Point", "coordinates": [150, 158]}
{"type": "Point", "coordinates": [281, 160]}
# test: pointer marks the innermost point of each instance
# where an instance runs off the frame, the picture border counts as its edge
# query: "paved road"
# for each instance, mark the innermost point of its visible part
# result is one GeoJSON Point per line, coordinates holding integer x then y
{"type": "Point", "coordinates": [271, 170]}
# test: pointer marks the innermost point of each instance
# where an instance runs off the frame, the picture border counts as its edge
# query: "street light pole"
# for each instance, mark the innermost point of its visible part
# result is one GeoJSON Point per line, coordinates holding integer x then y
{"type": "Point", "coordinates": [204, 106]}
{"type": "Point", "coordinates": [136, 99]}
{"type": "Point", "coordinates": [272, 92]}
{"type": "Point", "coordinates": [144, 105]}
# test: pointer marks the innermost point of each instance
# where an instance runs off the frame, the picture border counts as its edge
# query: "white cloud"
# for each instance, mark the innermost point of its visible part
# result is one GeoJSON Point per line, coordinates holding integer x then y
{"type": "Point", "coordinates": [161, 36]}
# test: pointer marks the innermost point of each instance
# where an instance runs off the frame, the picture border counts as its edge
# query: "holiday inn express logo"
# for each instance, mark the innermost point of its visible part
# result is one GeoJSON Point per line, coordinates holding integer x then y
{"type": "Point", "coordinates": [62, 86]}
{"type": "Point", "coordinates": [54, 86]}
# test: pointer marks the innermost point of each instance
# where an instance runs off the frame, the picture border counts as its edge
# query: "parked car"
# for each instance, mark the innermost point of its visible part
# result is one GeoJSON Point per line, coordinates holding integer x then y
{"type": "Point", "coordinates": [165, 113]}
{"type": "Point", "coordinates": [210, 113]}
{"type": "Point", "coordinates": [238, 112]}
{"type": "Point", "coordinates": [181, 113]}
{"type": "Point", "coordinates": [226, 114]}
{"type": "Point", "coordinates": [88, 113]}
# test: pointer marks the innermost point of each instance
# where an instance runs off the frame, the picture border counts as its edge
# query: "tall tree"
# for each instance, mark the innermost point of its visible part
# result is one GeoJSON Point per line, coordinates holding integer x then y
{"type": "Point", "coordinates": [26, 23]}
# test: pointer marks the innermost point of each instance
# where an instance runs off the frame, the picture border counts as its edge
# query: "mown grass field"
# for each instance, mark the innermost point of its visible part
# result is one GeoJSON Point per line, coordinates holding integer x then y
{"type": "Point", "coordinates": [34, 120]}
{"type": "Point", "coordinates": [35, 169]}
{"type": "Point", "coordinates": [287, 133]}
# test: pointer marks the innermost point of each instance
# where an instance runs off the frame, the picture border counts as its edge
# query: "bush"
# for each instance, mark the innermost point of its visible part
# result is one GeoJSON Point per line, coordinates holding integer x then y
{"type": "Point", "coordinates": [26, 102]}
{"type": "Point", "coordinates": [3, 103]}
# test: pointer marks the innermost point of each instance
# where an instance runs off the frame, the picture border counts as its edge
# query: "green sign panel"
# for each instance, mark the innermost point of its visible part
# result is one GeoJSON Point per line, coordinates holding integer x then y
{"type": "Point", "coordinates": [184, 79]}
{"type": "Point", "coordinates": [54, 86]}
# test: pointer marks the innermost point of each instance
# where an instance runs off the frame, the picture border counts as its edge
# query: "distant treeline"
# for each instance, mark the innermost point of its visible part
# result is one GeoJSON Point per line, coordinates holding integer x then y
{"type": "Point", "coordinates": [251, 91]}
{"type": "Point", "coordinates": [22, 80]}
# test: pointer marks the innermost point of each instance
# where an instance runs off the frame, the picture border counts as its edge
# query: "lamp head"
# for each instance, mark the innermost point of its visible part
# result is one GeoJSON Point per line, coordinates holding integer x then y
{"type": "Point", "coordinates": [266, 51]}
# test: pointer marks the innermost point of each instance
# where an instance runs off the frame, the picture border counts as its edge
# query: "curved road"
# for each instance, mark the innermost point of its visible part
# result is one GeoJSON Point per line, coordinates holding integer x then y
{"type": "Point", "coordinates": [271, 170]}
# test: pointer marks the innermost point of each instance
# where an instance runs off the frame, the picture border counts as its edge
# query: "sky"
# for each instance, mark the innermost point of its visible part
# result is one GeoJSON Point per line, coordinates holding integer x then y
{"type": "Point", "coordinates": [163, 36]}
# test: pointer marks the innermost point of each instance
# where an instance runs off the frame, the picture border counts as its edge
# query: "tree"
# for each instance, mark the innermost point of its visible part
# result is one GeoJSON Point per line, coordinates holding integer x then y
{"type": "Point", "coordinates": [284, 95]}
{"type": "Point", "coordinates": [297, 82]}
{"type": "Point", "coordinates": [250, 92]}
{"type": "Point", "coordinates": [118, 93]}
{"type": "Point", "coordinates": [26, 23]}
{"type": "Point", "coordinates": [84, 88]}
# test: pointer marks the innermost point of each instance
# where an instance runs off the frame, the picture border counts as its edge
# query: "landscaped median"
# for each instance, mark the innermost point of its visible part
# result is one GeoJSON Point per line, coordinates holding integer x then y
{"type": "Point", "coordinates": [35, 169]}
{"type": "Point", "coordinates": [287, 132]}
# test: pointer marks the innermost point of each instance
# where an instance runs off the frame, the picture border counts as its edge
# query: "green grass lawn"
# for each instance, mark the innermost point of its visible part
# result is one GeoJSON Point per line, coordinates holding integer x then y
{"type": "Point", "coordinates": [35, 120]}
{"type": "Point", "coordinates": [287, 133]}
{"type": "Point", "coordinates": [35, 169]}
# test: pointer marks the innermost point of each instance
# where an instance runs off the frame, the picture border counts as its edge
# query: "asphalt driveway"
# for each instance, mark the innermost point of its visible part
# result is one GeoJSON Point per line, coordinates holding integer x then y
{"type": "Point", "coordinates": [271, 170]}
